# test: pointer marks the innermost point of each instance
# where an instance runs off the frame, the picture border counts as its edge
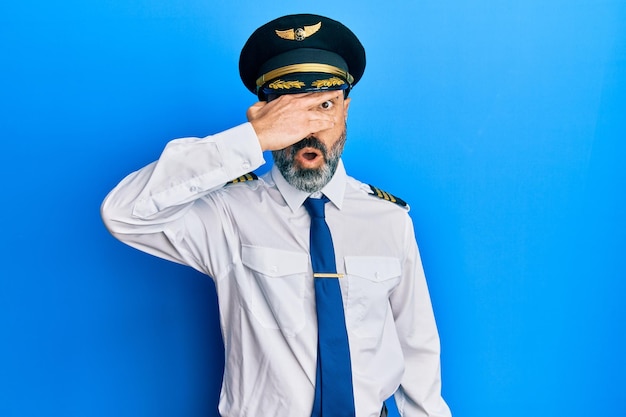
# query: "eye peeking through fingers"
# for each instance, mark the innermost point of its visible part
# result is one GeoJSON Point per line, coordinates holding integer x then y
{"type": "Point", "coordinates": [327, 105]}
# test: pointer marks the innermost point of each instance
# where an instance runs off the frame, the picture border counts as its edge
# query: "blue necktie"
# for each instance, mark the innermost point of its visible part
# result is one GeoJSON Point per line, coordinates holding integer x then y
{"type": "Point", "coordinates": [334, 395]}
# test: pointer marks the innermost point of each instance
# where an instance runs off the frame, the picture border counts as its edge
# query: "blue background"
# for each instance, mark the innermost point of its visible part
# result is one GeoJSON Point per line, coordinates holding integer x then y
{"type": "Point", "coordinates": [502, 123]}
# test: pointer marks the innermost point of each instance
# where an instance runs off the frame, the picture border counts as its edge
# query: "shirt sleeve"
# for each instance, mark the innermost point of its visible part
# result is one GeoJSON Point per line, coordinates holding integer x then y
{"type": "Point", "coordinates": [419, 393]}
{"type": "Point", "coordinates": [148, 208]}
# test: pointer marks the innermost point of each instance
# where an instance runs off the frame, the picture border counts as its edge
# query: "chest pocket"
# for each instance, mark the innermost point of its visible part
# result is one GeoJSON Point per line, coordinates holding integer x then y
{"type": "Point", "coordinates": [278, 287]}
{"type": "Point", "coordinates": [371, 279]}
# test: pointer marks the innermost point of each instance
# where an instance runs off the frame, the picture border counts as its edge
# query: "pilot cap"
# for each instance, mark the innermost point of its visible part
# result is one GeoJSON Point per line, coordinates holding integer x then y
{"type": "Point", "coordinates": [301, 53]}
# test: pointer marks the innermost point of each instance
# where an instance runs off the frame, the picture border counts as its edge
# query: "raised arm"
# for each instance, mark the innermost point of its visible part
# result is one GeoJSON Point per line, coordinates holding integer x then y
{"type": "Point", "coordinates": [153, 201]}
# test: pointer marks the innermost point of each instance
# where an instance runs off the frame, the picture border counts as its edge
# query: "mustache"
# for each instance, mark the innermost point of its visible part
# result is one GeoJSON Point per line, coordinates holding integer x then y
{"type": "Point", "coordinates": [309, 142]}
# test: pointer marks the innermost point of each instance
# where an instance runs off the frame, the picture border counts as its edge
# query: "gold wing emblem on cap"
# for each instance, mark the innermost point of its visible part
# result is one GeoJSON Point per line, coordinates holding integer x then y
{"type": "Point", "coordinates": [299, 34]}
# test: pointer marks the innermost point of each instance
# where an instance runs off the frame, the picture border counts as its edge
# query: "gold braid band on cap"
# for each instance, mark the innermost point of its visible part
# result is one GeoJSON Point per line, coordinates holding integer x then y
{"type": "Point", "coordinates": [289, 69]}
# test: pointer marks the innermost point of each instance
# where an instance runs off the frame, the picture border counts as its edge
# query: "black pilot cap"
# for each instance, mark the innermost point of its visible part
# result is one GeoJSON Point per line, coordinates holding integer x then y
{"type": "Point", "coordinates": [301, 53]}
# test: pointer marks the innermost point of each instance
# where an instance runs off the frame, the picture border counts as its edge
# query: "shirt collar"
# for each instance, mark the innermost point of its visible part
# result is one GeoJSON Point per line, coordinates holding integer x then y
{"type": "Point", "coordinates": [334, 190]}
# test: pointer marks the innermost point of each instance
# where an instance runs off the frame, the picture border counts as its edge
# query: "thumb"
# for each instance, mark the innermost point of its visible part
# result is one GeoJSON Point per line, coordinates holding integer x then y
{"type": "Point", "coordinates": [253, 110]}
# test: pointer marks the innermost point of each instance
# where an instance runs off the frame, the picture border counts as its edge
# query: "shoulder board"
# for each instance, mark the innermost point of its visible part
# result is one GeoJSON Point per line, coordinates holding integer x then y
{"type": "Point", "coordinates": [383, 195]}
{"type": "Point", "coordinates": [250, 176]}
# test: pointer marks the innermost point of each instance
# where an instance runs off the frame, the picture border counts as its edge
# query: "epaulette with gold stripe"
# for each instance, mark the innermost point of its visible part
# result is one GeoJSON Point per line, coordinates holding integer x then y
{"type": "Point", "coordinates": [388, 197]}
{"type": "Point", "coordinates": [250, 176]}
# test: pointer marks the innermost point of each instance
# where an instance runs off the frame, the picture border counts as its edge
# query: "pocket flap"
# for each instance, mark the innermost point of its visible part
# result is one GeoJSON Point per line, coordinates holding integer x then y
{"type": "Point", "coordinates": [274, 262]}
{"type": "Point", "coordinates": [373, 268]}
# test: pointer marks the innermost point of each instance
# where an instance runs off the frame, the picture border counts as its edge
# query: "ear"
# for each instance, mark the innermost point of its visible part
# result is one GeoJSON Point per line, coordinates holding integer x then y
{"type": "Point", "coordinates": [346, 105]}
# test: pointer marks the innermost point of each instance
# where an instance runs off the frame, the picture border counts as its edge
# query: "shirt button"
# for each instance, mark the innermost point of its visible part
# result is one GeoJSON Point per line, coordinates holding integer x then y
{"type": "Point", "coordinates": [193, 189]}
{"type": "Point", "coordinates": [274, 268]}
{"type": "Point", "coordinates": [246, 165]}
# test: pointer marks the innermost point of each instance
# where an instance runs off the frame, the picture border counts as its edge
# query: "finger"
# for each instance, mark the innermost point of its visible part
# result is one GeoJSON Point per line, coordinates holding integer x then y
{"type": "Point", "coordinates": [253, 110]}
{"type": "Point", "coordinates": [319, 98]}
{"type": "Point", "coordinates": [318, 124]}
{"type": "Point", "coordinates": [312, 99]}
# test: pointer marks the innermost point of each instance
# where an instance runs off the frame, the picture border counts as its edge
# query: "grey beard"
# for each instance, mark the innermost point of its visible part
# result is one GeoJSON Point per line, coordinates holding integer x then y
{"type": "Point", "coordinates": [304, 179]}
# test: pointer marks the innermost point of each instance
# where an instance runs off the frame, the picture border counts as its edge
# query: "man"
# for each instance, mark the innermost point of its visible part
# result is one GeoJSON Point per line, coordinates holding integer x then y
{"type": "Point", "coordinates": [308, 330]}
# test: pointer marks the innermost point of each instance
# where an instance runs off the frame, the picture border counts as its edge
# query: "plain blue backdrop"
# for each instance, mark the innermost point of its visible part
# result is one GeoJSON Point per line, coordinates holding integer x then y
{"type": "Point", "coordinates": [502, 123]}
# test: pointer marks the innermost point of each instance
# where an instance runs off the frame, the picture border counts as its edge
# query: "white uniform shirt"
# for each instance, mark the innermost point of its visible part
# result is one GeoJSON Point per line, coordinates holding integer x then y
{"type": "Point", "coordinates": [252, 238]}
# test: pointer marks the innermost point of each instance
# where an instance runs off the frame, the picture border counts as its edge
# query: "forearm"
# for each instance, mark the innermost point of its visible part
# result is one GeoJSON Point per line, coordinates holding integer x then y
{"type": "Point", "coordinates": [148, 200]}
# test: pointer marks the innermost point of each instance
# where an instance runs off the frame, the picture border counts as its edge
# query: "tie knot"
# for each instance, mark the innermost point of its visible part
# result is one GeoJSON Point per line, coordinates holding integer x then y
{"type": "Point", "coordinates": [315, 206]}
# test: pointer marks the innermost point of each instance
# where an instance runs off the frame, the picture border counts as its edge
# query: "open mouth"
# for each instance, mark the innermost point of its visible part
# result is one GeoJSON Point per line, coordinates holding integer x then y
{"type": "Point", "coordinates": [309, 156]}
